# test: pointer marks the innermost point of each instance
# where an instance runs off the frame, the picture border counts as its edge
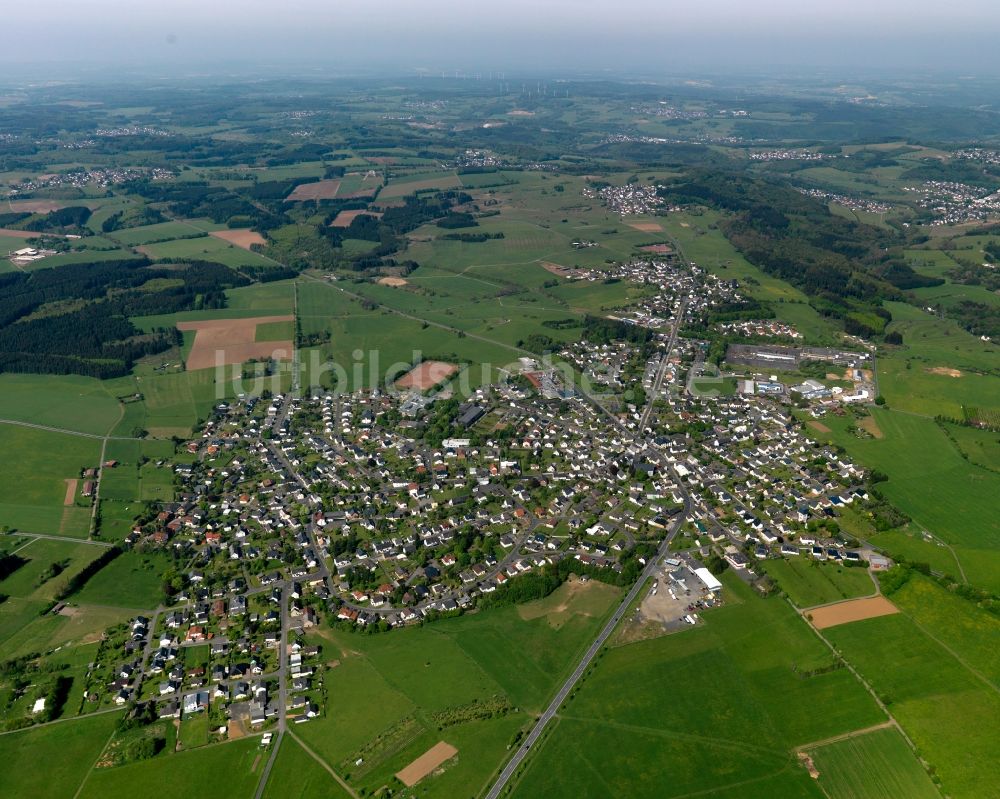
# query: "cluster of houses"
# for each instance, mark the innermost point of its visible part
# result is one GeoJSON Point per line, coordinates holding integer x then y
{"type": "Point", "coordinates": [632, 199]}
{"type": "Point", "coordinates": [952, 203]}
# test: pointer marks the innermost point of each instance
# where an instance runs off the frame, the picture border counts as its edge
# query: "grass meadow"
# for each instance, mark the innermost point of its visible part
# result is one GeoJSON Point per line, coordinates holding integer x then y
{"type": "Point", "coordinates": [33, 493]}
{"type": "Point", "coordinates": [934, 665]}
{"type": "Point", "coordinates": [52, 762]}
{"type": "Point", "coordinates": [388, 688]}
{"type": "Point", "coordinates": [808, 582]}
{"type": "Point", "coordinates": [716, 710]}
{"type": "Point", "coordinates": [223, 771]}
{"type": "Point", "coordinates": [877, 765]}
{"type": "Point", "coordinates": [296, 775]}
{"type": "Point", "coordinates": [945, 494]}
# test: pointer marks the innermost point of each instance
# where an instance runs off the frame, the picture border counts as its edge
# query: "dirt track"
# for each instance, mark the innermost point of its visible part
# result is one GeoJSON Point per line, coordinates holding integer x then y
{"type": "Point", "coordinates": [851, 610]}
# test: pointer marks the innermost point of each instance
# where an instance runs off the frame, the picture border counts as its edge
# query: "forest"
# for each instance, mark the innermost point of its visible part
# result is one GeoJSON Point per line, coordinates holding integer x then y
{"type": "Point", "coordinates": [76, 319]}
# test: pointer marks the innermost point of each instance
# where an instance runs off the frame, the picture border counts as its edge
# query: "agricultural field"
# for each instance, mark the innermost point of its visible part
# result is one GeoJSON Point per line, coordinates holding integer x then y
{"type": "Point", "coordinates": [408, 184]}
{"type": "Point", "coordinates": [809, 583]}
{"type": "Point", "coordinates": [162, 232]}
{"type": "Point", "coordinates": [929, 480]}
{"type": "Point", "coordinates": [470, 681]}
{"type": "Point", "coordinates": [939, 369]}
{"type": "Point", "coordinates": [35, 496]}
{"type": "Point", "coordinates": [69, 402]}
{"type": "Point", "coordinates": [132, 580]}
{"type": "Point", "coordinates": [227, 771]}
{"type": "Point", "coordinates": [716, 710]}
{"type": "Point", "coordinates": [934, 664]}
{"type": "Point", "coordinates": [296, 775]}
{"type": "Point", "coordinates": [205, 248]}
{"type": "Point", "coordinates": [876, 765]}
{"type": "Point", "coordinates": [67, 751]}
{"type": "Point", "coordinates": [49, 566]}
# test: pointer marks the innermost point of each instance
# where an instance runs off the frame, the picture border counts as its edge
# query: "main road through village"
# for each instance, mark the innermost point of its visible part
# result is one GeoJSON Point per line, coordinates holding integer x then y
{"type": "Point", "coordinates": [536, 732]}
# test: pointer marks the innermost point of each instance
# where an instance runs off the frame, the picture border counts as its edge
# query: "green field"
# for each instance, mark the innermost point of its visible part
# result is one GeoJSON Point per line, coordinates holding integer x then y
{"type": "Point", "coordinates": [935, 665]}
{"type": "Point", "coordinates": [713, 711]}
{"type": "Point", "coordinates": [877, 765]}
{"type": "Point", "coordinates": [224, 771]}
{"type": "Point", "coordinates": [34, 489]}
{"type": "Point", "coordinates": [409, 184]}
{"type": "Point", "coordinates": [275, 331]}
{"type": "Point", "coordinates": [23, 631]}
{"type": "Point", "coordinates": [929, 480]}
{"type": "Point", "coordinates": [132, 580]}
{"type": "Point", "coordinates": [913, 377]}
{"type": "Point", "coordinates": [389, 688]}
{"type": "Point", "coordinates": [173, 401]}
{"type": "Point", "coordinates": [70, 402]}
{"type": "Point", "coordinates": [808, 582]}
{"type": "Point", "coordinates": [296, 775]}
{"type": "Point", "coordinates": [206, 248]}
{"type": "Point", "coordinates": [52, 762]}
{"type": "Point", "coordinates": [30, 581]}
{"type": "Point", "coordinates": [162, 232]}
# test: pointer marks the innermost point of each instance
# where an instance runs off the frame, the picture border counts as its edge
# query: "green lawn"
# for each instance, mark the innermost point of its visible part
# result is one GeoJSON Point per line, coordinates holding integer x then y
{"type": "Point", "coordinates": [194, 731]}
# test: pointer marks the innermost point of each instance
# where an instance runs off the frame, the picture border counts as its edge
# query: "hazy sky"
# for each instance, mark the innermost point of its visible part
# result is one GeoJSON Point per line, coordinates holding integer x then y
{"type": "Point", "coordinates": [507, 34]}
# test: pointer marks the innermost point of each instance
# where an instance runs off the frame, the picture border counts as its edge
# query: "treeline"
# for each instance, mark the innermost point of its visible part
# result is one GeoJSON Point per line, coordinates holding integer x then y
{"type": "Point", "coordinates": [223, 206]}
{"type": "Point", "coordinates": [846, 268]}
{"type": "Point", "coordinates": [9, 564]}
{"type": "Point", "coordinates": [79, 580]}
{"type": "Point", "coordinates": [93, 334]}
{"type": "Point", "coordinates": [72, 218]}
{"type": "Point", "coordinates": [599, 330]}
{"type": "Point", "coordinates": [540, 583]}
{"type": "Point", "coordinates": [471, 238]}
{"type": "Point", "coordinates": [394, 223]}
{"type": "Point", "coordinates": [118, 220]}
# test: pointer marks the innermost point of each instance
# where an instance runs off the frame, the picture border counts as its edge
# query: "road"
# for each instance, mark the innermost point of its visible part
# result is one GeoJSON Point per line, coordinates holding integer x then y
{"type": "Point", "coordinates": [585, 661]}
{"type": "Point", "coordinates": [536, 732]}
{"type": "Point", "coordinates": [662, 371]}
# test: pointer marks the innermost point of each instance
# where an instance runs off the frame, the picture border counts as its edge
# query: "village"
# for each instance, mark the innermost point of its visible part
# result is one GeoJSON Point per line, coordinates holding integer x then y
{"type": "Point", "coordinates": [365, 511]}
